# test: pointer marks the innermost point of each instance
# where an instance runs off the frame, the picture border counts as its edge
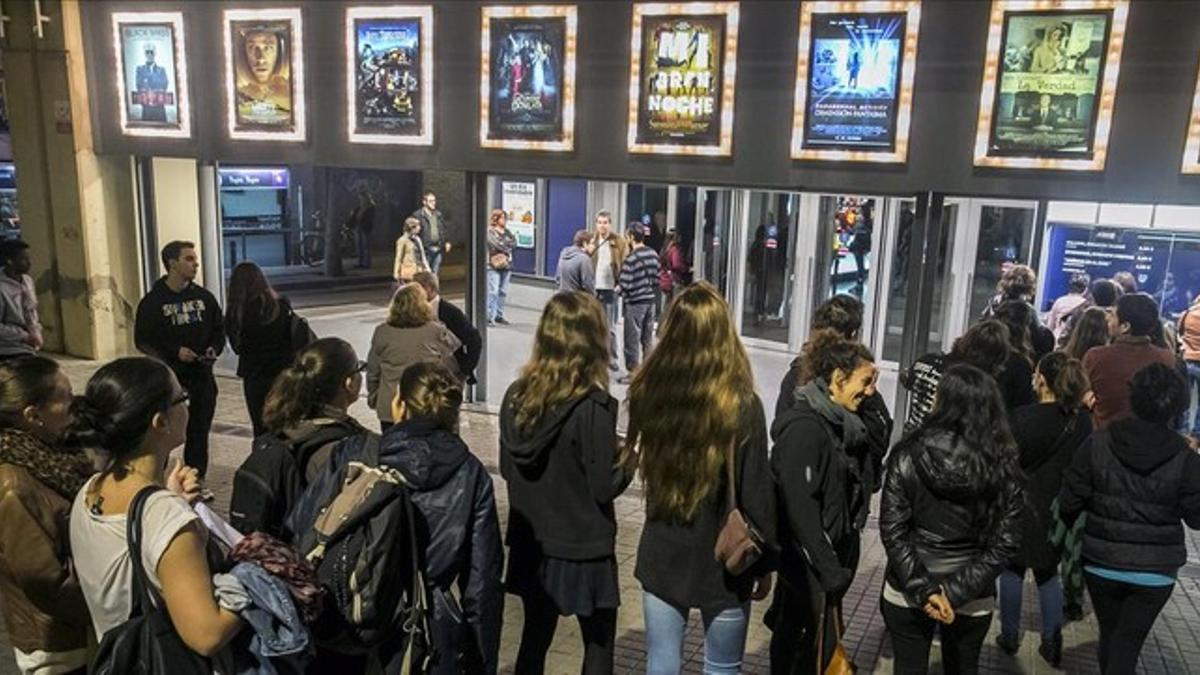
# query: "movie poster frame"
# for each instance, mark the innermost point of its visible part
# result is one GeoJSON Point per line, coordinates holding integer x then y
{"type": "Point", "coordinates": [724, 146]}
{"type": "Point", "coordinates": [908, 68]}
{"type": "Point", "coordinates": [424, 14]}
{"type": "Point", "coordinates": [183, 104]}
{"type": "Point", "coordinates": [570, 13]}
{"type": "Point", "coordinates": [1191, 148]}
{"type": "Point", "coordinates": [988, 97]}
{"type": "Point", "coordinates": [296, 52]}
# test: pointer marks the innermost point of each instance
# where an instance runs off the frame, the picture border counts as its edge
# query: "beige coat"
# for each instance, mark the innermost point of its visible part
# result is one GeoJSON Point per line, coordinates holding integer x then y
{"type": "Point", "coordinates": [394, 349]}
{"type": "Point", "coordinates": [410, 259]}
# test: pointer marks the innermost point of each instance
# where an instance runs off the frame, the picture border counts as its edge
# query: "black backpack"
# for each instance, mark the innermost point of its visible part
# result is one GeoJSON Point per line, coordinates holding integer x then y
{"type": "Point", "coordinates": [357, 526]}
{"type": "Point", "coordinates": [269, 482]}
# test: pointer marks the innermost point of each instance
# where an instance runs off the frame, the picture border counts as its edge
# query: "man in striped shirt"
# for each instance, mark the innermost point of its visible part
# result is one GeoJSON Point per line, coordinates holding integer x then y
{"type": "Point", "coordinates": [638, 282]}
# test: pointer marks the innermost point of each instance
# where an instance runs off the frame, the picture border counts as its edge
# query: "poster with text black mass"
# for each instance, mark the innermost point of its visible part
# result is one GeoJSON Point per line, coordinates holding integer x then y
{"type": "Point", "coordinates": [527, 78]}
{"type": "Point", "coordinates": [854, 81]}
{"type": "Point", "coordinates": [682, 66]}
{"type": "Point", "coordinates": [387, 99]}
{"type": "Point", "coordinates": [1049, 83]}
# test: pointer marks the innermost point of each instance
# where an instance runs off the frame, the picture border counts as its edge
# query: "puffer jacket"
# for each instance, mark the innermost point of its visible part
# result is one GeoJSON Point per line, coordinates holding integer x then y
{"type": "Point", "coordinates": [929, 527]}
{"type": "Point", "coordinates": [453, 492]}
{"type": "Point", "coordinates": [1135, 481]}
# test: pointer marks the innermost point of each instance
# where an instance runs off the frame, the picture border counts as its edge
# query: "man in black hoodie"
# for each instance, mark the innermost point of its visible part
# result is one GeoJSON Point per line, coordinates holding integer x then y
{"type": "Point", "coordinates": [180, 324]}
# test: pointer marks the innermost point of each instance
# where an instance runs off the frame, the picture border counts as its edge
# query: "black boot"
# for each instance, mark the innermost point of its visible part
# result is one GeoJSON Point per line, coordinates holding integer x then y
{"type": "Point", "coordinates": [1051, 650]}
{"type": "Point", "coordinates": [1009, 644]}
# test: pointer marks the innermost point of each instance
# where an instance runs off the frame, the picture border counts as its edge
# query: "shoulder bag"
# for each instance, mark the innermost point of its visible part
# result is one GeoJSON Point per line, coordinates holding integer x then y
{"type": "Point", "coordinates": [839, 662]}
{"type": "Point", "coordinates": [739, 544]}
{"type": "Point", "coordinates": [147, 643]}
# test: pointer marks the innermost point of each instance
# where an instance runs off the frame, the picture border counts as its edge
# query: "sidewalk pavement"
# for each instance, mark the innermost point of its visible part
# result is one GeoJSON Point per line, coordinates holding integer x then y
{"type": "Point", "coordinates": [1173, 647]}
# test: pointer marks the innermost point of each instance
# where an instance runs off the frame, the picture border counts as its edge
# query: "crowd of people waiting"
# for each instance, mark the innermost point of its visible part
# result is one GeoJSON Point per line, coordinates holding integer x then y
{"type": "Point", "coordinates": [1026, 447]}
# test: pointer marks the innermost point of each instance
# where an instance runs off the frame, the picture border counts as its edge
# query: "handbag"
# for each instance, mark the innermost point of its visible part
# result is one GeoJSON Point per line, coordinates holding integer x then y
{"type": "Point", "coordinates": [302, 334]}
{"type": "Point", "coordinates": [839, 662]}
{"type": "Point", "coordinates": [739, 544]}
{"type": "Point", "coordinates": [147, 642]}
{"type": "Point", "coordinates": [498, 261]}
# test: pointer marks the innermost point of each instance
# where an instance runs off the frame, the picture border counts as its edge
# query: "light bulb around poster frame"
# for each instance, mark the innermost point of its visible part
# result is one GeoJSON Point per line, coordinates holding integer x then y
{"type": "Point", "coordinates": [723, 145]}
{"type": "Point", "coordinates": [268, 115]}
{"type": "Point", "coordinates": [550, 130]}
{"type": "Point", "coordinates": [155, 81]}
{"type": "Point", "coordinates": [1104, 93]}
{"type": "Point", "coordinates": [804, 147]}
{"type": "Point", "coordinates": [355, 127]}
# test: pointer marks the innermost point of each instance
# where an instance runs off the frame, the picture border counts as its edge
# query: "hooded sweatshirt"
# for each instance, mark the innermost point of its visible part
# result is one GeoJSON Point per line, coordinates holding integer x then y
{"type": "Point", "coordinates": [167, 320]}
{"type": "Point", "coordinates": [18, 315]}
{"type": "Point", "coordinates": [1135, 481]}
{"type": "Point", "coordinates": [453, 492]}
{"type": "Point", "coordinates": [575, 271]}
{"type": "Point", "coordinates": [561, 477]}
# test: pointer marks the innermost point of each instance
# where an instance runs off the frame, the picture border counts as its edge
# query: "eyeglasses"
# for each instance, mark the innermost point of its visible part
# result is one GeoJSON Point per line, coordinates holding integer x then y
{"type": "Point", "coordinates": [183, 399]}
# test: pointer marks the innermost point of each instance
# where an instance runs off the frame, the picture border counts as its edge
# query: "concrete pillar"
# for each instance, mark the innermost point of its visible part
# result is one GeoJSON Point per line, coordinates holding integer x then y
{"type": "Point", "coordinates": [77, 208]}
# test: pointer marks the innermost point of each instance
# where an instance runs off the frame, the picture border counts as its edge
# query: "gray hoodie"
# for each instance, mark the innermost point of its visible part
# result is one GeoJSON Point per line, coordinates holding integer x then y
{"type": "Point", "coordinates": [575, 271]}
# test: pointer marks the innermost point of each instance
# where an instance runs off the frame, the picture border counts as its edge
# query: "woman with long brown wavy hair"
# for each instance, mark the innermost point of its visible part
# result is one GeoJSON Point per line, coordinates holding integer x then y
{"type": "Point", "coordinates": [558, 452]}
{"type": "Point", "coordinates": [693, 420]}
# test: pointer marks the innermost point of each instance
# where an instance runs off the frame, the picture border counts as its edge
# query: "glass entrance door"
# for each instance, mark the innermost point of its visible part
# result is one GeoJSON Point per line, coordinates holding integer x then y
{"type": "Point", "coordinates": [770, 265]}
{"type": "Point", "coordinates": [714, 221]}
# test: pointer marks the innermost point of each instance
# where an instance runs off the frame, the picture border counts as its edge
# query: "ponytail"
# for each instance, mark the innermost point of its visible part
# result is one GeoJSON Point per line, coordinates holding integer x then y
{"type": "Point", "coordinates": [311, 382]}
{"type": "Point", "coordinates": [431, 392]}
{"type": "Point", "coordinates": [1066, 378]}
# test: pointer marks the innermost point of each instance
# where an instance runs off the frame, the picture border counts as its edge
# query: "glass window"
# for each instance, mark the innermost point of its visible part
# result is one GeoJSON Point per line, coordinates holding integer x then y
{"type": "Point", "coordinates": [893, 329]}
{"type": "Point", "coordinates": [1005, 236]}
{"type": "Point", "coordinates": [770, 265]}
{"type": "Point", "coordinates": [717, 239]}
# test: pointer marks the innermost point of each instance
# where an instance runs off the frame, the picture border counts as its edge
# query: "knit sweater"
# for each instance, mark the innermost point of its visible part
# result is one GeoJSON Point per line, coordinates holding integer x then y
{"type": "Point", "coordinates": [639, 276]}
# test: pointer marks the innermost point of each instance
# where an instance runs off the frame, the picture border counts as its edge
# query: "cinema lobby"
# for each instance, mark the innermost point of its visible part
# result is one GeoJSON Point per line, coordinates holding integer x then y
{"type": "Point", "coordinates": [650, 337]}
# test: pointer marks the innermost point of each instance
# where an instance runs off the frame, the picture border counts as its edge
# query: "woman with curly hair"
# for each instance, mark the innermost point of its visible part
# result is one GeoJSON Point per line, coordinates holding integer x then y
{"type": "Point", "coordinates": [558, 452]}
{"type": "Point", "coordinates": [709, 453]}
{"type": "Point", "coordinates": [952, 503]}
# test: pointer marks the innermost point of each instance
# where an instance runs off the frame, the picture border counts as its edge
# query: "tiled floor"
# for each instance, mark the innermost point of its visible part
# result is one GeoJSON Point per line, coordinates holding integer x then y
{"type": "Point", "coordinates": [1173, 647]}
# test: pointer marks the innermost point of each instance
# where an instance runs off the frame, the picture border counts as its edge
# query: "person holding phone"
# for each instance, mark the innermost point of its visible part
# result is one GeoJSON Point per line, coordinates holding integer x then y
{"type": "Point", "coordinates": [180, 324]}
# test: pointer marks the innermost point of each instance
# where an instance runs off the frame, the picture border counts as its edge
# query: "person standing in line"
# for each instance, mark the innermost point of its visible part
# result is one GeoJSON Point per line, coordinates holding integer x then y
{"type": "Point", "coordinates": [1135, 481]}
{"type": "Point", "coordinates": [1091, 330]}
{"type": "Point", "coordinates": [433, 226]}
{"type": "Point", "coordinates": [1047, 434]}
{"type": "Point", "coordinates": [20, 326]}
{"type": "Point", "coordinates": [816, 486]}
{"type": "Point", "coordinates": [575, 271]}
{"type": "Point", "coordinates": [410, 253]}
{"type": "Point", "coordinates": [1015, 379]}
{"type": "Point", "coordinates": [949, 521]}
{"type": "Point", "coordinates": [1189, 339]}
{"type": "Point", "coordinates": [410, 335]}
{"type": "Point", "coordinates": [453, 493]}
{"type": "Point", "coordinates": [1126, 281]}
{"type": "Point", "coordinates": [1077, 295]}
{"type": "Point", "coordinates": [673, 269]}
{"type": "Point", "coordinates": [608, 254]}
{"type": "Point", "coordinates": [500, 245]}
{"type": "Point", "coordinates": [638, 281]}
{"type": "Point", "coordinates": [1110, 368]}
{"type": "Point", "coordinates": [362, 219]}
{"type": "Point", "coordinates": [44, 610]}
{"type": "Point", "coordinates": [1103, 294]}
{"type": "Point", "coordinates": [457, 322]}
{"type": "Point", "coordinates": [559, 455]}
{"type": "Point", "coordinates": [259, 324]}
{"type": "Point", "coordinates": [984, 345]}
{"type": "Point", "coordinates": [180, 324]}
{"type": "Point", "coordinates": [700, 370]}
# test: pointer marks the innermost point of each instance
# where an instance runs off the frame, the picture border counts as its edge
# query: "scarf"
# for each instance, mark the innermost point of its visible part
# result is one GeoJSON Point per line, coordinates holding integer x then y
{"type": "Point", "coordinates": [816, 394]}
{"type": "Point", "coordinates": [62, 471]}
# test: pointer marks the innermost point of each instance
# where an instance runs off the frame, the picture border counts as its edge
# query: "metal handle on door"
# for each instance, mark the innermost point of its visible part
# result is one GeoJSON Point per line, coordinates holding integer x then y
{"type": "Point", "coordinates": [4, 18]}
{"type": "Point", "coordinates": [39, 19]}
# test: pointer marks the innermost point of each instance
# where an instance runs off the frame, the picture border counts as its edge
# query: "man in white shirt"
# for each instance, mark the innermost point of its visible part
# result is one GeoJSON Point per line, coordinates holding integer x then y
{"type": "Point", "coordinates": [608, 253]}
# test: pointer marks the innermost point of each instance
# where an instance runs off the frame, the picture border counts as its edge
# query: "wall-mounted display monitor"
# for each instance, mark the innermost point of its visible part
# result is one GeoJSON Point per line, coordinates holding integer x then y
{"type": "Point", "coordinates": [1191, 149]}
{"type": "Point", "coordinates": [1050, 80]}
{"type": "Point", "coordinates": [389, 74]}
{"type": "Point", "coordinates": [264, 74]}
{"type": "Point", "coordinates": [683, 65]}
{"type": "Point", "coordinates": [151, 74]}
{"type": "Point", "coordinates": [854, 80]}
{"type": "Point", "coordinates": [527, 70]}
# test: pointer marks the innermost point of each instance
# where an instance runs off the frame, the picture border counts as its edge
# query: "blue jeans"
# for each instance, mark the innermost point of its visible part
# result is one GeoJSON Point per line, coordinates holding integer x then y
{"type": "Point", "coordinates": [362, 245]}
{"type": "Point", "coordinates": [1050, 599]}
{"type": "Point", "coordinates": [497, 293]}
{"type": "Point", "coordinates": [608, 299]}
{"type": "Point", "coordinates": [724, 637]}
{"type": "Point", "coordinates": [1193, 368]}
{"type": "Point", "coordinates": [433, 258]}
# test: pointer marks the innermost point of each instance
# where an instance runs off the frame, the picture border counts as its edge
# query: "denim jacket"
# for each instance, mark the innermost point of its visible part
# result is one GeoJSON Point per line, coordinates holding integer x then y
{"type": "Point", "coordinates": [277, 640]}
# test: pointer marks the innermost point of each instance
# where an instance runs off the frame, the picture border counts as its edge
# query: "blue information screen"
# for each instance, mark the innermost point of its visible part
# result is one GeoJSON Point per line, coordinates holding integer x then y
{"type": "Point", "coordinates": [1166, 264]}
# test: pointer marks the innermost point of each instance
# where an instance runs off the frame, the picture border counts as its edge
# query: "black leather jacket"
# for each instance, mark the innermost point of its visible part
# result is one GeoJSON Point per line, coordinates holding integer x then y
{"type": "Point", "coordinates": [929, 528]}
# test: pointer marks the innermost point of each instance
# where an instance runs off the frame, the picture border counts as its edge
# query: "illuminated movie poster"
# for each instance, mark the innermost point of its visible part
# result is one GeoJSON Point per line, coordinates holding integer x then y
{"type": "Point", "coordinates": [854, 81]}
{"type": "Point", "coordinates": [152, 86]}
{"type": "Point", "coordinates": [264, 71]}
{"type": "Point", "coordinates": [390, 74]}
{"type": "Point", "coordinates": [1054, 81]}
{"type": "Point", "coordinates": [528, 70]}
{"type": "Point", "coordinates": [1191, 150]}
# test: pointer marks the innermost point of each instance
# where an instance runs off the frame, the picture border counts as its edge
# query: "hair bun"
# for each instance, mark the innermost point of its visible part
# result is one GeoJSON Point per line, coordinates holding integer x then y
{"type": "Point", "coordinates": [90, 427]}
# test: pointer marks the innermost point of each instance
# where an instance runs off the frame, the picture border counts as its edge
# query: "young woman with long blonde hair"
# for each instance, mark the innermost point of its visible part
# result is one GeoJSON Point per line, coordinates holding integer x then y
{"type": "Point", "coordinates": [558, 452]}
{"type": "Point", "coordinates": [692, 411]}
